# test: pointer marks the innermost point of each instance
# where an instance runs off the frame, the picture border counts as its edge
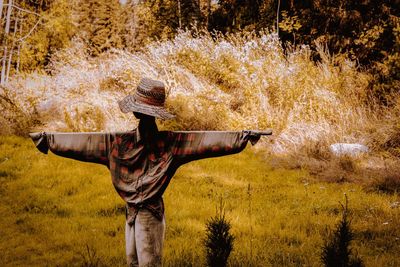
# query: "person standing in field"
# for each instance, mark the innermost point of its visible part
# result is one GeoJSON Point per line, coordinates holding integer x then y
{"type": "Point", "coordinates": [142, 163]}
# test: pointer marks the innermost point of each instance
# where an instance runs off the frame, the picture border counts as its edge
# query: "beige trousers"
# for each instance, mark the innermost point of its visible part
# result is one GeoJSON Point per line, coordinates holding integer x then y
{"type": "Point", "coordinates": [144, 240]}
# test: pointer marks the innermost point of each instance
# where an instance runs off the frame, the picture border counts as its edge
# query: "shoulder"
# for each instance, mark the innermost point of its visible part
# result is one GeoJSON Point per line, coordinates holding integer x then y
{"type": "Point", "coordinates": [124, 137]}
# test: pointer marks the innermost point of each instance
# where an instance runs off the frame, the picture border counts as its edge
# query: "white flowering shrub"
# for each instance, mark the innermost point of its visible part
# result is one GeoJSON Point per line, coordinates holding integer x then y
{"type": "Point", "coordinates": [236, 82]}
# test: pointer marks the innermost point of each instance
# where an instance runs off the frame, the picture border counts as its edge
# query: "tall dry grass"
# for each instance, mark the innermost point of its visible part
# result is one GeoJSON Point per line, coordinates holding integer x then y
{"type": "Point", "coordinates": [243, 81]}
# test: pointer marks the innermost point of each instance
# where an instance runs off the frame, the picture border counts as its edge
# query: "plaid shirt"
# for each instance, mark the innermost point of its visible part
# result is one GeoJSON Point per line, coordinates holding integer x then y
{"type": "Point", "coordinates": [140, 171]}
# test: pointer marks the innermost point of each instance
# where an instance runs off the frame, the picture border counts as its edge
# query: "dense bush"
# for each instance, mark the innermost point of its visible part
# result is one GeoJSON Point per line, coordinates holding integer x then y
{"type": "Point", "coordinates": [242, 81]}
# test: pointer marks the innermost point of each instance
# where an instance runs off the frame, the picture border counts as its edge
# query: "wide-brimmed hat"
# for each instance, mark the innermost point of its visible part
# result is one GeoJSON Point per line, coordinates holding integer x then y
{"type": "Point", "coordinates": [149, 99]}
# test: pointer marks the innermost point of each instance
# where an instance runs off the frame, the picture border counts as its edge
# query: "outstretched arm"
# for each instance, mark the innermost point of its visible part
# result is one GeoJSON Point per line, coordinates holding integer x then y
{"type": "Point", "coordinates": [193, 145]}
{"type": "Point", "coordinates": [90, 147]}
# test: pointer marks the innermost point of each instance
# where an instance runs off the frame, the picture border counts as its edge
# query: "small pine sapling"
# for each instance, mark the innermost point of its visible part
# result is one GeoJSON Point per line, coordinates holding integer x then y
{"type": "Point", "coordinates": [219, 240]}
{"type": "Point", "coordinates": [336, 251]}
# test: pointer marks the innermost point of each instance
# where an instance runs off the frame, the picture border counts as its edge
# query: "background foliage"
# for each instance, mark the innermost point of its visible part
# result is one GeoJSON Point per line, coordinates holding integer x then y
{"type": "Point", "coordinates": [335, 72]}
{"type": "Point", "coordinates": [366, 30]}
{"type": "Point", "coordinates": [318, 72]}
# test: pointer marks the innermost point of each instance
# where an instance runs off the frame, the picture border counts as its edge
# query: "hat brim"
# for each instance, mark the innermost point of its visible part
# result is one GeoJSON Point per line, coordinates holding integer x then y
{"type": "Point", "coordinates": [130, 104]}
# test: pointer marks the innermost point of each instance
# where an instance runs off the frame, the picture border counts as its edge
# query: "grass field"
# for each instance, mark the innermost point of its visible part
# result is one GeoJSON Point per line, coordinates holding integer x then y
{"type": "Point", "coordinates": [60, 212]}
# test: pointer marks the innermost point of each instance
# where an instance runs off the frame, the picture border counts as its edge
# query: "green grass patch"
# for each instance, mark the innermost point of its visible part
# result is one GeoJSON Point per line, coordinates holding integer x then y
{"type": "Point", "coordinates": [60, 212]}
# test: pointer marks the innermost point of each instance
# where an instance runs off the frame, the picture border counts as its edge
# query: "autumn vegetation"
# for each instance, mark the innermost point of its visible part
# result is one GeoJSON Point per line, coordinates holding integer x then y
{"type": "Point", "coordinates": [317, 72]}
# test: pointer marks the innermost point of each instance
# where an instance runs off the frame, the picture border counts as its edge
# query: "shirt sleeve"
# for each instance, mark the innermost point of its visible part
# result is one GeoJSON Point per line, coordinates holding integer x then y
{"type": "Point", "coordinates": [89, 147]}
{"type": "Point", "coordinates": [193, 145]}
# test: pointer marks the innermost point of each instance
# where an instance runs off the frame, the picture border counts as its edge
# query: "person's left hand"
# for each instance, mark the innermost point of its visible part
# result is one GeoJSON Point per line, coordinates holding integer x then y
{"type": "Point", "coordinates": [253, 138]}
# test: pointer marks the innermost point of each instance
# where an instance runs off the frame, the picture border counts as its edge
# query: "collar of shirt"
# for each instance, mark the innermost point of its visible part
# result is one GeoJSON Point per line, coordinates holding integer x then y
{"type": "Point", "coordinates": [139, 136]}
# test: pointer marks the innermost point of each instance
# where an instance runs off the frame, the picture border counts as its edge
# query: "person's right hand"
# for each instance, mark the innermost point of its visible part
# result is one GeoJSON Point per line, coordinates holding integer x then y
{"type": "Point", "coordinates": [40, 140]}
{"type": "Point", "coordinates": [36, 136]}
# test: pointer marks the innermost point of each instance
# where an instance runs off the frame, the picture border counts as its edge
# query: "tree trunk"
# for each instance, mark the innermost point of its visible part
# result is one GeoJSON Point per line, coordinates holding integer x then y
{"type": "Point", "coordinates": [208, 12]}
{"type": "Point", "coordinates": [8, 18]}
{"type": "Point", "coordinates": [277, 17]}
{"type": "Point", "coordinates": [6, 32]}
{"type": "Point", "coordinates": [133, 25]}
{"type": "Point", "coordinates": [179, 14]}
{"type": "Point", "coordinates": [19, 48]}
{"type": "Point", "coordinates": [199, 15]}
{"type": "Point", "coordinates": [1, 23]}
{"type": "Point", "coordinates": [12, 49]}
{"type": "Point", "coordinates": [1, 10]}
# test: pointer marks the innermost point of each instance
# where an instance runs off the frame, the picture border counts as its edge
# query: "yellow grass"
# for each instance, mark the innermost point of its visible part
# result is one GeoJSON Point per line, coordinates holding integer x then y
{"type": "Point", "coordinates": [60, 212]}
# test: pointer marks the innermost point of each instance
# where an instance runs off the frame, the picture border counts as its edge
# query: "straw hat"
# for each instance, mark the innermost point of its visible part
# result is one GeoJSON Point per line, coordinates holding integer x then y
{"type": "Point", "coordinates": [149, 99]}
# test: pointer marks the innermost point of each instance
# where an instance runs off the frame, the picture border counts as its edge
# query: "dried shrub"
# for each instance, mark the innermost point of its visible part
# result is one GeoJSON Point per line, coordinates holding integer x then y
{"type": "Point", "coordinates": [196, 114]}
{"type": "Point", "coordinates": [321, 163]}
{"type": "Point", "coordinates": [337, 169]}
{"type": "Point", "coordinates": [85, 119]}
{"type": "Point", "coordinates": [89, 257]}
{"type": "Point", "coordinates": [392, 142]}
{"type": "Point", "coordinates": [230, 82]}
{"type": "Point", "coordinates": [386, 180]}
{"type": "Point", "coordinates": [385, 134]}
{"type": "Point", "coordinates": [17, 119]}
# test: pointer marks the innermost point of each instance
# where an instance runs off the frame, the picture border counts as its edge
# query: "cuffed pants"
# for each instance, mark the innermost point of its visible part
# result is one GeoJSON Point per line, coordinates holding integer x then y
{"type": "Point", "coordinates": [144, 240]}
